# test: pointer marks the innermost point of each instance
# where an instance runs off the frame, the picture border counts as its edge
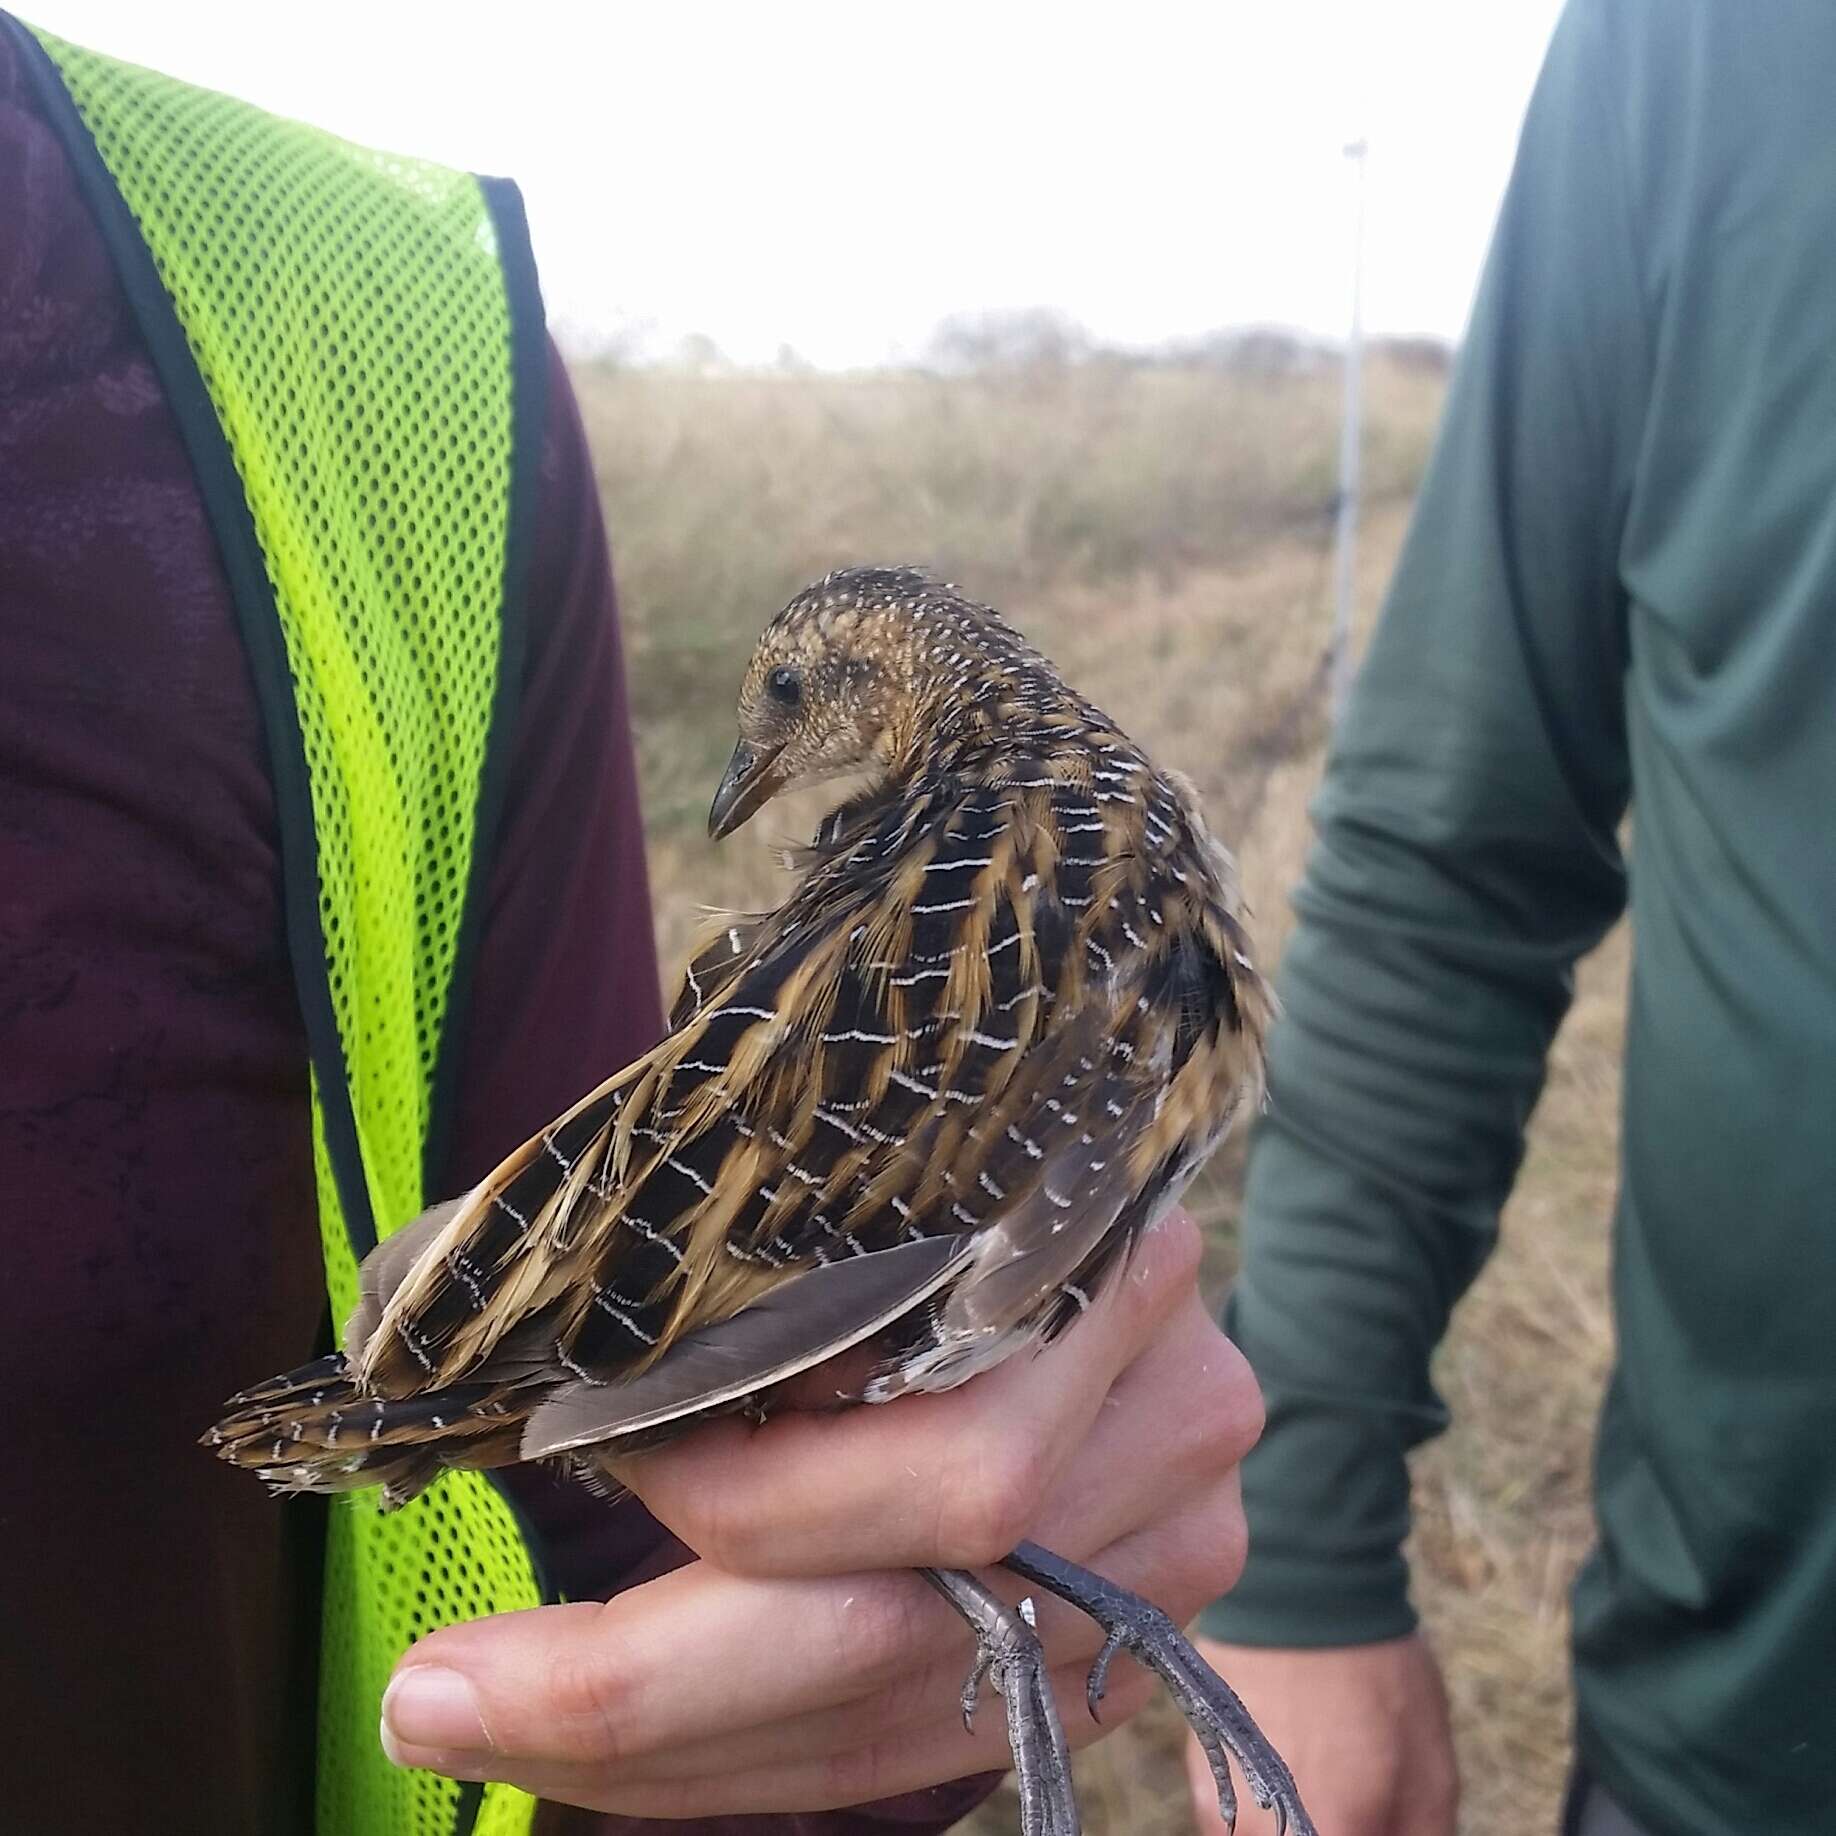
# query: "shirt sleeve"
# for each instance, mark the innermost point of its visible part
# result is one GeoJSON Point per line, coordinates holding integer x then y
{"type": "Point", "coordinates": [1466, 855]}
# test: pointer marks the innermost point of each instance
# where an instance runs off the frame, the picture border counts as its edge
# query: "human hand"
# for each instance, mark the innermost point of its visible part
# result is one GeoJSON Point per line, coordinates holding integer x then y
{"type": "Point", "coordinates": [788, 1670]}
{"type": "Point", "coordinates": [1363, 1728]}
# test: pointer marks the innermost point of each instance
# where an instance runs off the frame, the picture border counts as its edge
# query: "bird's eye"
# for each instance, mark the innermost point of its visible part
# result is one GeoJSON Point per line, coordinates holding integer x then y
{"type": "Point", "coordinates": [785, 686]}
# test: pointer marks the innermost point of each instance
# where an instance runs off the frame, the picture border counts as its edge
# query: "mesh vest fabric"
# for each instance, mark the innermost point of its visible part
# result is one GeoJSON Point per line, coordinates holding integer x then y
{"type": "Point", "coordinates": [349, 316]}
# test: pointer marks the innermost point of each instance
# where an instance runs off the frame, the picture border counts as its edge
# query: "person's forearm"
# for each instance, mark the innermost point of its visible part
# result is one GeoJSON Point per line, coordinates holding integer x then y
{"type": "Point", "coordinates": [1392, 1138]}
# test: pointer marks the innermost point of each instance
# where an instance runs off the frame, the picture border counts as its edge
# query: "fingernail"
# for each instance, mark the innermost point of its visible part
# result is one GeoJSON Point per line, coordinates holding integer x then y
{"type": "Point", "coordinates": [428, 1705]}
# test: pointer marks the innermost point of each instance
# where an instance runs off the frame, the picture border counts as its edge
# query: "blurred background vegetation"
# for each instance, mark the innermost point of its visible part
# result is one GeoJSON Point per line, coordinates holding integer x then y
{"type": "Point", "coordinates": [1161, 526]}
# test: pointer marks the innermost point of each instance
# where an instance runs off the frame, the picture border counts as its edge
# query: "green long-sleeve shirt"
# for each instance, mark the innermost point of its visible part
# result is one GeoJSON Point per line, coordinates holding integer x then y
{"type": "Point", "coordinates": [1619, 590]}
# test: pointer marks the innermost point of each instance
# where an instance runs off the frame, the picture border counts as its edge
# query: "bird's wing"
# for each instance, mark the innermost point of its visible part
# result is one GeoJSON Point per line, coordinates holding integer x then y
{"type": "Point", "coordinates": [1045, 1196]}
{"type": "Point", "coordinates": [787, 1330]}
{"type": "Point", "coordinates": [896, 988]}
{"type": "Point", "coordinates": [386, 1267]}
{"type": "Point", "coordinates": [1059, 1229]}
{"type": "Point", "coordinates": [718, 955]}
{"type": "Point", "coordinates": [895, 1054]}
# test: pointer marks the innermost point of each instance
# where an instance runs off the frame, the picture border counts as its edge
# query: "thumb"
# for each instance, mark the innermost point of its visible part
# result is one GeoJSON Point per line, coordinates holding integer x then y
{"type": "Point", "coordinates": [530, 1685]}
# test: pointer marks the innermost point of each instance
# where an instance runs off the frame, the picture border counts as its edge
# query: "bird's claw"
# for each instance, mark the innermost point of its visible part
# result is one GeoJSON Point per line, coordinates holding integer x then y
{"type": "Point", "coordinates": [1212, 1709]}
{"type": "Point", "coordinates": [978, 1675]}
{"type": "Point", "coordinates": [1097, 1685]}
{"type": "Point", "coordinates": [1008, 1654]}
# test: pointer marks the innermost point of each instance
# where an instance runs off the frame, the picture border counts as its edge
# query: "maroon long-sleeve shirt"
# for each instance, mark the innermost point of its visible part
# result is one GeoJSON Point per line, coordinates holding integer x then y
{"type": "Point", "coordinates": [160, 1622]}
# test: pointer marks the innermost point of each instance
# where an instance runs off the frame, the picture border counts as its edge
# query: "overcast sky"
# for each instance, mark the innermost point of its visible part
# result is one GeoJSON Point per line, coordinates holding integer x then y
{"type": "Point", "coordinates": [839, 177]}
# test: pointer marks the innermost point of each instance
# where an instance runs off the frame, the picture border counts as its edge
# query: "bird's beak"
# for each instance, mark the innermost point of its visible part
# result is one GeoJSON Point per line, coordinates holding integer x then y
{"type": "Point", "coordinates": [752, 780]}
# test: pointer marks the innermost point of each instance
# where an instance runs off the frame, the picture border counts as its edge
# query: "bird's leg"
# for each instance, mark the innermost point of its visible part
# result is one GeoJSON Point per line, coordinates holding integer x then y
{"type": "Point", "coordinates": [1008, 1652]}
{"type": "Point", "coordinates": [1209, 1704]}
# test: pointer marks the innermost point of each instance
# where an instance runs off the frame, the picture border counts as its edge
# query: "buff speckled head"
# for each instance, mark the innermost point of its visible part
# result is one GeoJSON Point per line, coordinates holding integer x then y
{"type": "Point", "coordinates": [838, 681]}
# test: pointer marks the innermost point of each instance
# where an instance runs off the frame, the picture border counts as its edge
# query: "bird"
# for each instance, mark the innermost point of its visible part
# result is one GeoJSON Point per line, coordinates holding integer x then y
{"type": "Point", "coordinates": [925, 1108]}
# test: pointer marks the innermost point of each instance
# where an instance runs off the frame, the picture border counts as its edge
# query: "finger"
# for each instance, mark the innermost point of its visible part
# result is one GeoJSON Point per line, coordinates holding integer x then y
{"type": "Point", "coordinates": [1141, 1459]}
{"type": "Point", "coordinates": [928, 1690]}
{"type": "Point", "coordinates": [892, 1762]}
{"type": "Point", "coordinates": [1180, 1563]}
{"type": "Point", "coordinates": [659, 1665]}
{"type": "Point", "coordinates": [929, 1695]}
{"type": "Point", "coordinates": [950, 1480]}
{"type": "Point", "coordinates": [701, 1661]}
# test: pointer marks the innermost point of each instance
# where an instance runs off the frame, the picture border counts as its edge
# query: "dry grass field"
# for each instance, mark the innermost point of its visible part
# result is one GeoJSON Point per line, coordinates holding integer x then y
{"type": "Point", "coordinates": [1162, 532]}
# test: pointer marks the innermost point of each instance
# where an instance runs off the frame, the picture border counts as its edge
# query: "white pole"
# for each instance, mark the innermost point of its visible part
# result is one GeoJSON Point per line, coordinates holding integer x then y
{"type": "Point", "coordinates": [1346, 533]}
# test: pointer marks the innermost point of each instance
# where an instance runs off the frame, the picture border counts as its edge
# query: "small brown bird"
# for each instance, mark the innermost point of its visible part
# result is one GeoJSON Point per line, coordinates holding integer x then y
{"type": "Point", "coordinates": [926, 1106]}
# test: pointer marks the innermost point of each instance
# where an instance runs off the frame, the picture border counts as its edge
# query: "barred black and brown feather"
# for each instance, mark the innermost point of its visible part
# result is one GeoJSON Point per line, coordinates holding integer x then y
{"type": "Point", "coordinates": [1007, 1008]}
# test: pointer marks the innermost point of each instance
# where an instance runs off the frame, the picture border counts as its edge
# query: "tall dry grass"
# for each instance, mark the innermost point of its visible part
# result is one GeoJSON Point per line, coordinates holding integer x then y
{"type": "Point", "coordinates": [726, 494]}
{"type": "Point", "coordinates": [1161, 533]}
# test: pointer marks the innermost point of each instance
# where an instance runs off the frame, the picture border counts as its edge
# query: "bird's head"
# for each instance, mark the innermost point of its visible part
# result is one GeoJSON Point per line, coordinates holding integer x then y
{"type": "Point", "coordinates": [848, 678]}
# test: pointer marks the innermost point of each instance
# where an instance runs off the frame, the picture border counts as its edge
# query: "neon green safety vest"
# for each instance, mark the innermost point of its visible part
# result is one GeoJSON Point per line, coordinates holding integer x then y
{"type": "Point", "coordinates": [353, 346]}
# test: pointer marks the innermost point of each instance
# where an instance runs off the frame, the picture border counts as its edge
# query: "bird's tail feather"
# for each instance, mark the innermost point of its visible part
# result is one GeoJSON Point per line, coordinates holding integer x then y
{"type": "Point", "coordinates": [312, 1430]}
